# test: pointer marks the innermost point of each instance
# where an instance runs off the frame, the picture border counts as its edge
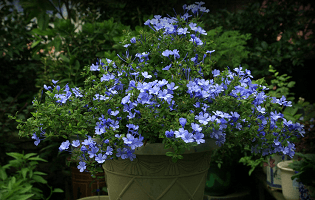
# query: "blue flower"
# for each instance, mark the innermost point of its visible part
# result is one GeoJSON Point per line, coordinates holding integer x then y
{"type": "Point", "coordinates": [64, 145]}
{"type": "Point", "coordinates": [198, 137]}
{"type": "Point", "coordinates": [100, 158]}
{"type": "Point", "coordinates": [169, 134]}
{"type": "Point", "coordinates": [93, 151]}
{"type": "Point", "coordinates": [216, 73]}
{"type": "Point", "coordinates": [75, 143]}
{"type": "Point", "coordinates": [188, 137]}
{"type": "Point", "coordinates": [182, 121]}
{"type": "Point", "coordinates": [81, 166]}
{"type": "Point", "coordinates": [146, 75]}
{"type": "Point", "coordinates": [37, 140]}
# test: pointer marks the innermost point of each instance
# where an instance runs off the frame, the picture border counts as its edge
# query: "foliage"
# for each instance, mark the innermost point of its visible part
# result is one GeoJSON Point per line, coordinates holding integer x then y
{"type": "Point", "coordinates": [8, 126]}
{"type": "Point", "coordinates": [264, 48]}
{"type": "Point", "coordinates": [305, 168]}
{"type": "Point", "coordinates": [88, 112]}
{"type": "Point", "coordinates": [16, 77]}
{"type": "Point", "coordinates": [127, 12]}
{"type": "Point", "coordinates": [229, 48]}
{"type": "Point", "coordinates": [21, 185]}
{"type": "Point", "coordinates": [306, 145]}
{"type": "Point", "coordinates": [65, 51]}
{"type": "Point", "coordinates": [281, 87]}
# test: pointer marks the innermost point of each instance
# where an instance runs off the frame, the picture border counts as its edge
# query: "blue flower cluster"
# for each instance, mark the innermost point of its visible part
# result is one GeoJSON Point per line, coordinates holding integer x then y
{"type": "Point", "coordinates": [129, 96]}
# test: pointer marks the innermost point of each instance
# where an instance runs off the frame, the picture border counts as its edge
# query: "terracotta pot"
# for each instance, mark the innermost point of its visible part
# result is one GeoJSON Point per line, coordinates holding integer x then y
{"type": "Point", "coordinates": [83, 185]}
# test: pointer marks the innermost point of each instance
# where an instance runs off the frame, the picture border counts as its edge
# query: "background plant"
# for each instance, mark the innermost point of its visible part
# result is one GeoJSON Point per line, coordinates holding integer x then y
{"type": "Point", "coordinates": [22, 185]}
{"type": "Point", "coordinates": [17, 75]}
{"type": "Point", "coordinates": [305, 168]}
{"type": "Point", "coordinates": [264, 48]}
{"type": "Point", "coordinates": [302, 112]}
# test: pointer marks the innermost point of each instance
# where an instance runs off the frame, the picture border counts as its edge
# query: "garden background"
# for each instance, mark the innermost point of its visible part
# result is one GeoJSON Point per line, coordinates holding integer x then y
{"type": "Point", "coordinates": [43, 40]}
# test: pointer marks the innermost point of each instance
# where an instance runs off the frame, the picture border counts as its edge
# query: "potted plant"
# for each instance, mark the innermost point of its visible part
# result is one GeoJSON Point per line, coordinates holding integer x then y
{"type": "Point", "coordinates": [305, 173]}
{"type": "Point", "coordinates": [152, 122]}
{"type": "Point", "coordinates": [279, 86]}
{"type": "Point", "coordinates": [305, 149]}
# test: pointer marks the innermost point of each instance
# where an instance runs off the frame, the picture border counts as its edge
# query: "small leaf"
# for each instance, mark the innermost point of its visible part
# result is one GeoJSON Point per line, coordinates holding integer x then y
{"type": "Point", "coordinates": [29, 155]}
{"type": "Point", "coordinates": [38, 159]}
{"type": "Point", "coordinates": [3, 174]}
{"type": "Point", "coordinates": [64, 58]}
{"type": "Point", "coordinates": [24, 196]}
{"type": "Point", "coordinates": [58, 190]}
{"type": "Point", "coordinates": [169, 153]}
{"type": "Point", "coordinates": [291, 84]}
{"type": "Point", "coordinates": [26, 189]}
{"type": "Point", "coordinates": [15, 155]}
{"type": "Point", "coordinates": [77, 64]}
{"type": "Point", "coordinates": [24, 171]}
{"type": "Point", "coordinates": [40, 173]}
{"type": "Point", "coordinates": [39, 179]}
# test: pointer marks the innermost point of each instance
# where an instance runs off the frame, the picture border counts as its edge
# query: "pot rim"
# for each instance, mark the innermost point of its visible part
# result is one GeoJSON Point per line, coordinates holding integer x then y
{"type": "Point", "coordinates": [158, 148]}
{"type": "Point", "coordinates": [283, 165]}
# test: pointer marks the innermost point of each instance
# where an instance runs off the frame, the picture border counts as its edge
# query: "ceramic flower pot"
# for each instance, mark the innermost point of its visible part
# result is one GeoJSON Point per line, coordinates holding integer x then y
{"type": "Point", "coordinates": [219, 181]}
{"type": "Point", "coordinates": [306, 192]}
{"type": "Point", "coordinates": [153, 175]}
{"type": "Point", "coordinates": [290, 188]}
{"type": "Point", "coordinates": [95, 198]}
{"type": "Point", "coordinates": [273, 172]}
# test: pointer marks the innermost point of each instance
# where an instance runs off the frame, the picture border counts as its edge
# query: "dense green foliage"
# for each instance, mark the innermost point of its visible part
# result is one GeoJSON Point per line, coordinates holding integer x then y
{"type": "Point", "coordinates": [21, 185]}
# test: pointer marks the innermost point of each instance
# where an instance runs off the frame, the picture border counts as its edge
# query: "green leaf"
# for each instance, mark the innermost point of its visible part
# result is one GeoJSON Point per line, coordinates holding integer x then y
{"type": "Point", "coordinates": [291, 84]}
{"type": "Point", "coordinates": [29, 155]}
{"type": "Point", "coordinates": [57, 43]}
{"type": "Point", "coordinates": [24, 196]}
{"type": "Point", "coordinates": [31, 174]}
{"type": "Point", "coordinates": [39, 179]}
{"type": "Point", "coordinates": [77, 64]}
{"type": "Point", "coordinates": [174, 159]}
{"type": "Point", "coordinates": [43, 20]}
{"type": "Point", "coordinates": [26, 189]}
{"type": "Point", "coordinates": [38, 159]}
{"type": "Point", "coordinates": [3, 174]}
{"type": "Point", "coordinates": [64, 58]}
{"type": "Point", "coordinates": [24, 171]}
{"type": "Point", "coordinates": [169, 153]}
{"type": "Point", "coordinates": [58, 190]}
{"type": "Point", "coordinates": [40, 173]}
{"type": "Point", "coordinates": [15, 155]}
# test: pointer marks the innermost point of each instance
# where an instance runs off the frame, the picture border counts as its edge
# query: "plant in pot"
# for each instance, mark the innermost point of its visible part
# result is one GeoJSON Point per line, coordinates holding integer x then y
{"type": "Point", "coordinates": [305, 149]}
{"type": "Point", "coordinates": [279, 86]}
{"type": "Point", "coordinates": [152, 122]}
{"type": "Point", "coordinates": [83, 184]}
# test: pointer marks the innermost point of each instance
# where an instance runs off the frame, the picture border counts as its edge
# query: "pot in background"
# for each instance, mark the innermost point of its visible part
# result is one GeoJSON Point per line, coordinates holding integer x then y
{"type": "Point", "coordinates": [290, 188]}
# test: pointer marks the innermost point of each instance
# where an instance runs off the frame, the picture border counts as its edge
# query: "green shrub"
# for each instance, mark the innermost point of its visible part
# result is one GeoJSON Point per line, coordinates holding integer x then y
{"type": "Point", "coordinates": [20, 186]}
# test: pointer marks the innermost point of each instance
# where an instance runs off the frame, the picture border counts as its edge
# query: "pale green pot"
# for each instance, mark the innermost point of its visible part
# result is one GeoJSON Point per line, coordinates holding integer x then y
{"type": "Point", "coordinates": [153, 175]}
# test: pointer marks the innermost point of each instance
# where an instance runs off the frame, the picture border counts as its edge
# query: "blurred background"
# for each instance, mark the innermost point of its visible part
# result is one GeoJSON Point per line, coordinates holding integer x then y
{"type": "Point", "coordinates": [43, 40]}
